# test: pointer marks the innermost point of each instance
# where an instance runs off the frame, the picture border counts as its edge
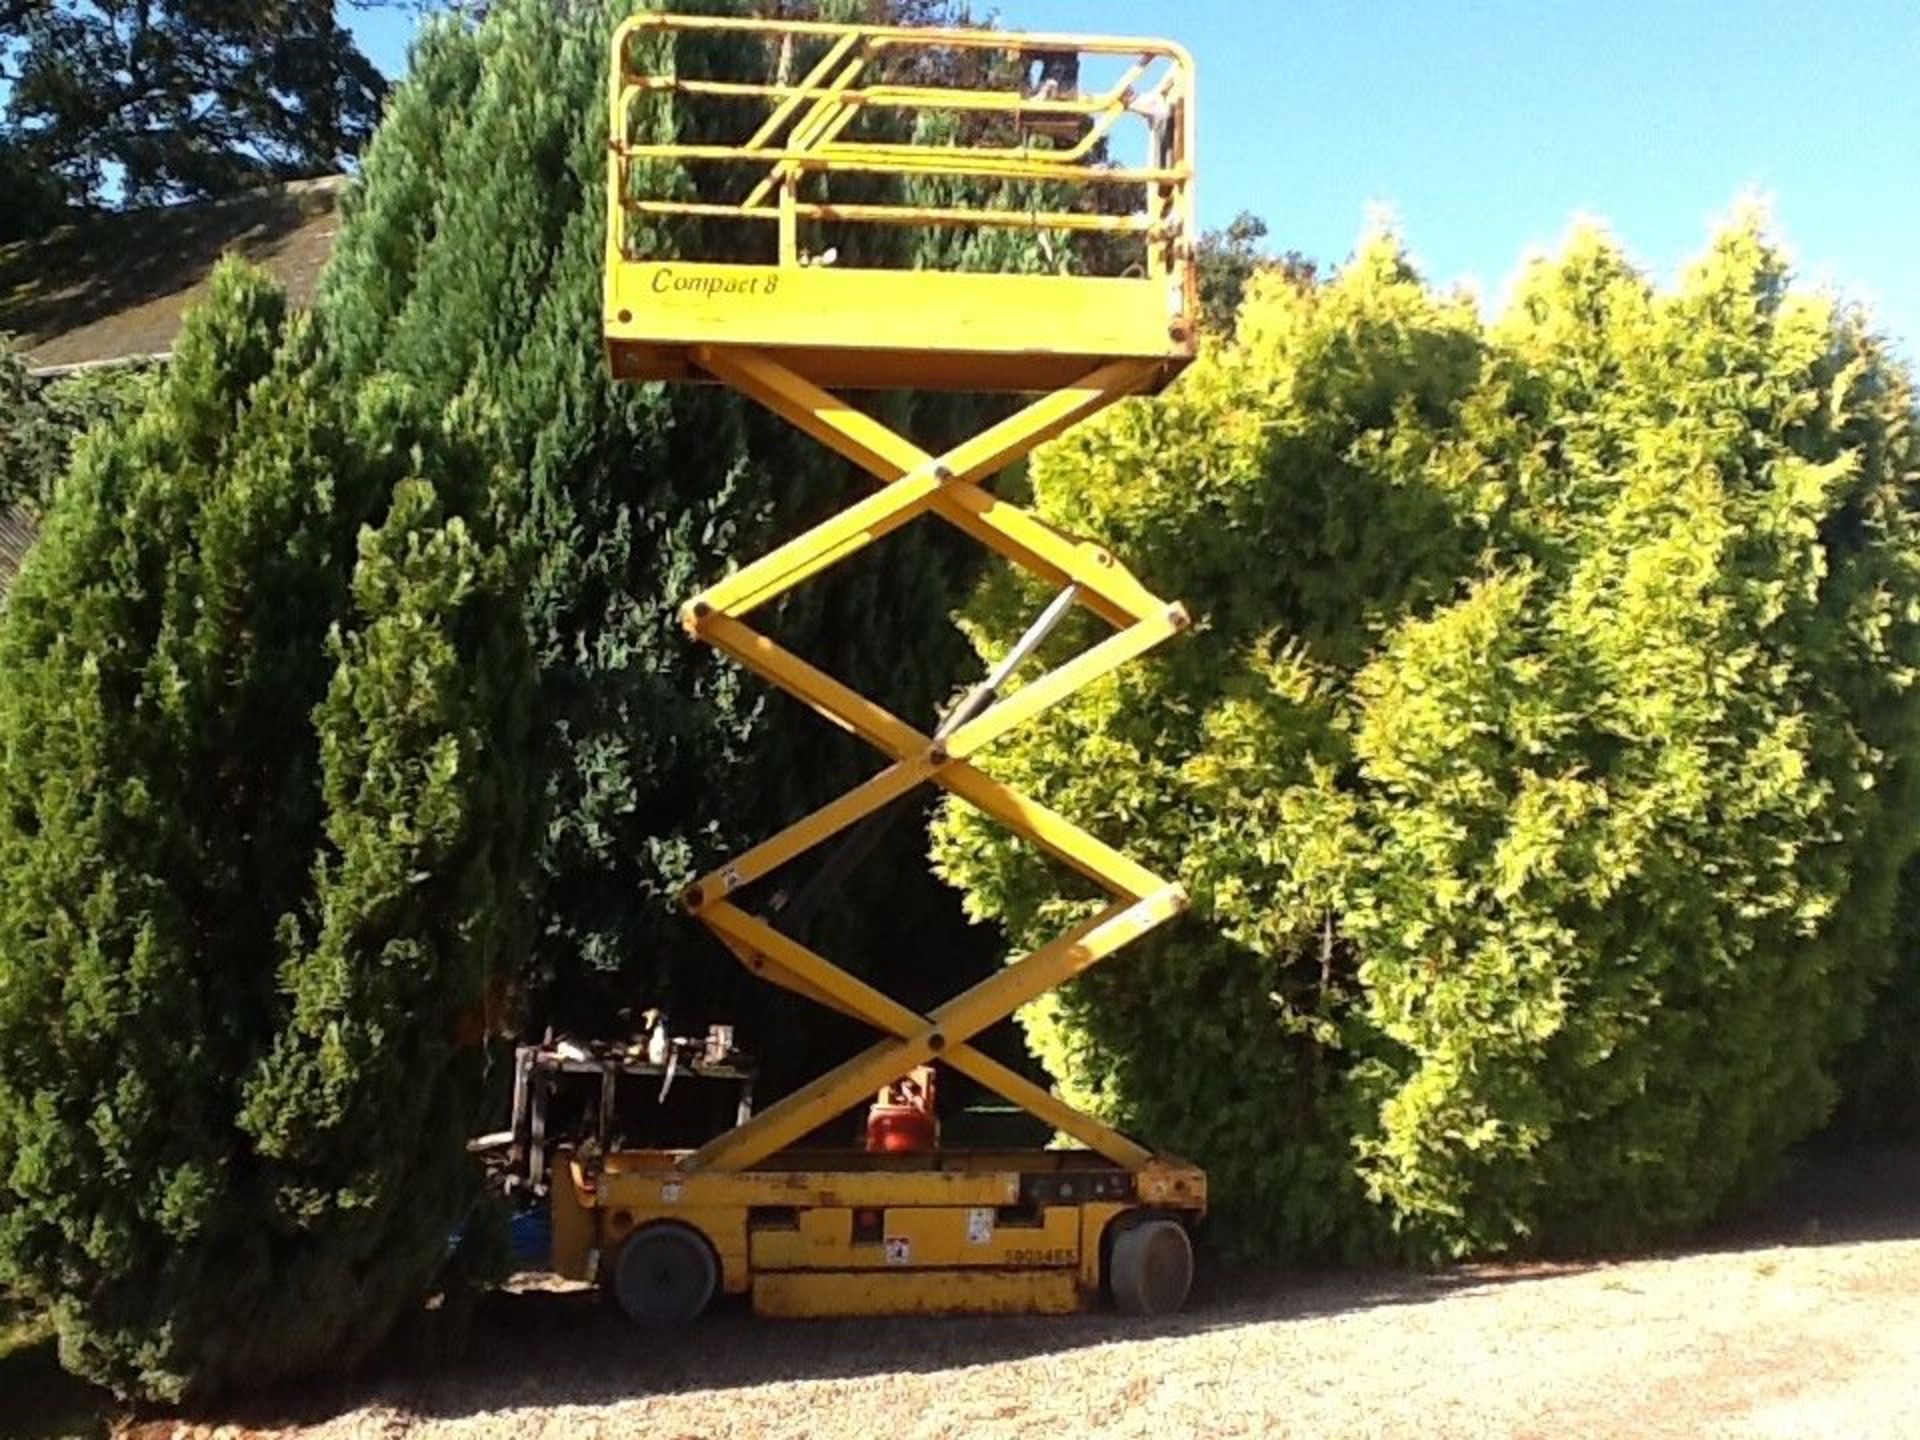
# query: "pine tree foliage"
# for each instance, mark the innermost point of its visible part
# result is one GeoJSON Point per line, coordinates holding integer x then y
{"type": "Point", "coordinates": [1880, 1075]}
{"type": "Point", "coordinates": [471, 265]}
{"type": "Point", "coordinates": [260, 839]}
{"type": "Point", "coordinates": [41, 420]}
{"type": "Point", "coordinates": [1542, 765]}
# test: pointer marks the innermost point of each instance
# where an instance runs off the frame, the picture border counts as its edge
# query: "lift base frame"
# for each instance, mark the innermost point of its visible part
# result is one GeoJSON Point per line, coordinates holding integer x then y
{"type": "Point", "coordinates": [845, 1233]}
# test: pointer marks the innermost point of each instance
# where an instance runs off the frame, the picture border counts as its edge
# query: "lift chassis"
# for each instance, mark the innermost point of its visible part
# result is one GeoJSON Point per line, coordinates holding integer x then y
{"type": "Point", "coordinates": [811, 1232]}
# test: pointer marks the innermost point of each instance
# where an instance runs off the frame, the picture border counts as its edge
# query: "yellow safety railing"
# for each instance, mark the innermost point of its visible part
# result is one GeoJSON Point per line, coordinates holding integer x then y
{"type": "Point", "coordinates": [1029, 153]}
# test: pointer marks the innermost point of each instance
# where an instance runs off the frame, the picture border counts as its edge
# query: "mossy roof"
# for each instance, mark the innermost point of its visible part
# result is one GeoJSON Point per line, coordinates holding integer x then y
{"type": "Point", "coordinates": [116, 286]}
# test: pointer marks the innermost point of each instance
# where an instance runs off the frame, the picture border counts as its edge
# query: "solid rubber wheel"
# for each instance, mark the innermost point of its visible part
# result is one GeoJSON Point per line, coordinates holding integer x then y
{"type": "Point", "coordinates": [1151, 1268]}
{"type": "Point", "coordinates": [664, 1275]}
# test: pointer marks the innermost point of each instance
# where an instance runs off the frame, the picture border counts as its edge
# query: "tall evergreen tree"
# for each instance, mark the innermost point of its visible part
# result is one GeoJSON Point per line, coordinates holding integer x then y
{"type": "Point", "coordinates": [471, 264]}
{"type": "Point", "coordinates": [261, 837]}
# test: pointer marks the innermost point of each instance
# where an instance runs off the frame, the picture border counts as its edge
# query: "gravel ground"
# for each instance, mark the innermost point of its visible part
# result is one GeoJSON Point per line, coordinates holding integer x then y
{"type": "Point", "coordinates": [1802, 1321]}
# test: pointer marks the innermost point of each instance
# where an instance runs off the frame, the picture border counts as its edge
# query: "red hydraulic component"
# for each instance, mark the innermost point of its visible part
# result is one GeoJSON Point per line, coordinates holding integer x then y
{"type": "Point", "coordinates": [902, 1118]}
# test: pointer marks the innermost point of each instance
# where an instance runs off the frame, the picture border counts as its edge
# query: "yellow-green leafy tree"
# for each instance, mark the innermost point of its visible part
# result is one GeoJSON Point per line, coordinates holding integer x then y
{"type": "Point", "coordinates": [1542, 763]}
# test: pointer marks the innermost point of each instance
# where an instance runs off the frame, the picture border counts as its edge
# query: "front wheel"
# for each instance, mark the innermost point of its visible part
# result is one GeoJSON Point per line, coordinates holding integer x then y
{"type": "Point", "coordinates": [1150, 1269]}
{"type": "Point", "coordinates": [665, 1274]}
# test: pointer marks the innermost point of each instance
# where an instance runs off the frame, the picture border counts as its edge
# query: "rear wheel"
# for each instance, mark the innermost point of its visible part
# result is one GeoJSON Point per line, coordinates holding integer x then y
{"type": "Point", "coordinates": [1150, 1268]}
{"type": "Point", "coordinates": [664, 1275]}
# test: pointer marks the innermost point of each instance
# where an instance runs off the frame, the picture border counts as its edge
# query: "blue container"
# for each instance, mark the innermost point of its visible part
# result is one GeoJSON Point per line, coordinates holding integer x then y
{"type": "Point", "coordinates": [530, 1235]}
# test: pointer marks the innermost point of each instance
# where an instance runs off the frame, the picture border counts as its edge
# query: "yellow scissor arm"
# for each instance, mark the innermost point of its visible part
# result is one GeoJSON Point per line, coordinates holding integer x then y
{"type": "Point", "coordinates": [786, 333]}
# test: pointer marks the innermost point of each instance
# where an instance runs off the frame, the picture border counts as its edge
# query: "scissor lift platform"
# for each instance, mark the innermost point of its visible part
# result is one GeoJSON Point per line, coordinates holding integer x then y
{"type": "Point", "coordinates": [993, 334]}
{"type": "Point", "coordinates": [1041, 163]}
{"type": "Point", "coordinates": [744, 207]}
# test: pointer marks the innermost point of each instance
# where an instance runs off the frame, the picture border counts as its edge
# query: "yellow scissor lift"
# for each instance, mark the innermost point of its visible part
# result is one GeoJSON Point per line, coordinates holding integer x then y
{"type": "Point", "coordinates": [833, 109]}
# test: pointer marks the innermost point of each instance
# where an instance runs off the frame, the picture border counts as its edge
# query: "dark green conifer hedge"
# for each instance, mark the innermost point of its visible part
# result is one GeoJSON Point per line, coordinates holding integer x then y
{"type": "Point", "coordinates": [262, 836]}
{"type": "Point", "coordinates": [1542, 765]}
{"type": "Point", "coordinates": [471, 265]}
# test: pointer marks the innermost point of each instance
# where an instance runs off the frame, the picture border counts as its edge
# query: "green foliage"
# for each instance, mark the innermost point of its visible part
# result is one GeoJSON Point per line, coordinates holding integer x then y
{"type": "Point", "coordinates": [471, 265]}
{"type": "Point", "coordinates": [261, 820]}
{"type": "Point", "coordinates": [32, 447]}
{"type": "Point", "coordinates": [40, 422]}
{"type": "Point", "coordinates": [43, 1402]}
{"type": "Point", "coordinates": [1880, 1076]}
{"type": "Point", "coordinates": [160, 101]}
{"type": "Point", "coordinates": [1542, 765]}
{"type": "Point", "coordinates": [278, 724]}
{"type": "Point", "coordinates": [32, 201]}
{"type": "Point", "coordinates": [1229, 259]}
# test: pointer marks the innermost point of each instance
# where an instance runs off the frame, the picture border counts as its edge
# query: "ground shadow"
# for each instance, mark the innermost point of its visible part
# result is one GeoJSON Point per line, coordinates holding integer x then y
{"type": "Point", "coordinates": [540, 1346]}
{"type": "Point", "coordinates": [1830, 1195]}
{"type": "Point", "coordinates": [544, 1347]}
{"type": "Point", "coordinates": [42, 1402]}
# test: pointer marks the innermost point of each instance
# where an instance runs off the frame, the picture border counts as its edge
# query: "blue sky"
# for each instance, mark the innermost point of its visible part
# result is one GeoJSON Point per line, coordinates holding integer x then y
{"type": "Point", "coordinates": [1485, 126]}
